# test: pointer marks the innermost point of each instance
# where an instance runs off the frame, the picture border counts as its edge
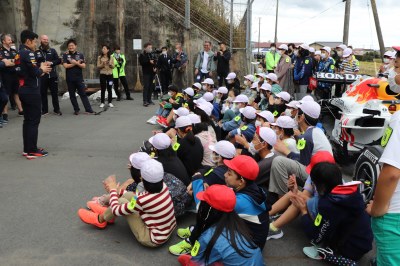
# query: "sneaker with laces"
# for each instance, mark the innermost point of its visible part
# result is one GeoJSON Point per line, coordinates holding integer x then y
{"type": "Point", "coordinates": [181, 248]}
{"type": "Point", "coordinates": [5, 118]}
{"type": "Point", "coordinates": [97, 208]}
{"type": "Point", "coordinates": [110, 105]}
{"type": "Point", "coordinates": [37, 154]}
{"type": "Point", "coordinates": [274, 234]}
{"type": "Point", "coordinates": [58, 113]}
{"type": "Point", "coordinates": [102, 105]}
{"type": "Point", "coordinates": [184, 232]}
{"type": "Point", "coordinates": [92, 218]}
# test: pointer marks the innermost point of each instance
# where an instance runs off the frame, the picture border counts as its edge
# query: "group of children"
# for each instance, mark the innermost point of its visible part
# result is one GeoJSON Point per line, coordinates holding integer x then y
{"type": "Point", "coordinates": [240, 158]}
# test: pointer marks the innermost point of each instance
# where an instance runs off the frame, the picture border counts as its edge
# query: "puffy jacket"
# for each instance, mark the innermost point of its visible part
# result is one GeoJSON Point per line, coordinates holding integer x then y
{"type": "Point", "coordinates": [119, 65]}
{"type": "Point", "coordinates": [342, 223]}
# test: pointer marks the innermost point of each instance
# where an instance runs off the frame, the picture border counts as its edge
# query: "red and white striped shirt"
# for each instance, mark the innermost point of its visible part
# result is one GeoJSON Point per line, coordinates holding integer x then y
{"type": "Point", "coordinates": [156, 211]}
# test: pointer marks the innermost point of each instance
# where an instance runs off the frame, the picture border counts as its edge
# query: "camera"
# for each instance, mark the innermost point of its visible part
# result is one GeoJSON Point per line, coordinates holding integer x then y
{"type": "Point", "coordinates": [155, 54]}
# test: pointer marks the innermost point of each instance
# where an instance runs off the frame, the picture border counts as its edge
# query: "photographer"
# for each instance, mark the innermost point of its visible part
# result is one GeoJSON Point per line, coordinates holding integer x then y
{"type": "Point", "coordinates": [222, 57]}
{"type": "Point", "coordinates": [179, 62]}
{"type": "Point", "coordinates": [164, 67]}
{"type": "Point", "coordinates": [147, 60]}
{"type": "Point", "coordinates": [119, 73]}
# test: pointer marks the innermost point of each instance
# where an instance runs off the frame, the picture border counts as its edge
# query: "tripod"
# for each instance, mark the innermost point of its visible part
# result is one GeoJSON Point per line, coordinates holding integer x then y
{"type": "Point", "coordinates": [157, 87]}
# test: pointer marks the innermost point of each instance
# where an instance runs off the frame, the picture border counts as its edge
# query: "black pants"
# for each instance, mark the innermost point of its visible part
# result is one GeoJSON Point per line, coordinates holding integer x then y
{"type": "Point", "coordinates": [106, 82]}
{"type": "Point", "coordinates": [3, 99]}
{"type": "Point", "coordinates": [124, 84]}
{"type": "Point", "coordinates": [11, 84]}
{"type": "Point", "coordinates": [52, 84]}
{"type": "Point", "coordinates": [221, 78]}
{"type": "Point", "coordinates": [32, 105]}
{"type": "Point", "coordinates": [147, 87]}
{"type": "Point", "coordinates": [165, 80]}
{"type": "Point", "coordinates": [79, 87]}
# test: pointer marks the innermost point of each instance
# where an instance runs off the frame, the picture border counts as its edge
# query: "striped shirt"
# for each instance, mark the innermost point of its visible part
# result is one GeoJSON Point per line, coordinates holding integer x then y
{"type": "Point", "coordinates": [349, 66]}
{"type": "Point", "coordinates": [156, 211]}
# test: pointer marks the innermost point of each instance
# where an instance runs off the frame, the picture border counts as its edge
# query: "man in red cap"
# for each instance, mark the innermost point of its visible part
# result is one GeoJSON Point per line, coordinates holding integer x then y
{"type": "Point", "coordinates": [250, 202]}
{"type": "Point", "coordinates": [309, 194]}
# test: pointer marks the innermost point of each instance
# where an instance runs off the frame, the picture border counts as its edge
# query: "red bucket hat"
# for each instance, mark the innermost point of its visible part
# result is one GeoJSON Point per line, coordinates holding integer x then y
{"type": "Point", "coordinates": [244, 165]}
{"type": "Point", "coordinates": [320, 157]}
{"type": "Point", "coordinates": [220, 197]}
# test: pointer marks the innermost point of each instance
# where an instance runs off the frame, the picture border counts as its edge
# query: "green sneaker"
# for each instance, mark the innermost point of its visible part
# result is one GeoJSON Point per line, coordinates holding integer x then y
{"type": "Point", "coordinates": [181, 248]}
{"type": "Point", "coordinates": [184, 232]}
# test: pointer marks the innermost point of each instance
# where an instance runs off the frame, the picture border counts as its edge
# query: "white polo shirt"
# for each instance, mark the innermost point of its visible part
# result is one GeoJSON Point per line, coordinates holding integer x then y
{"type": "Point", "coordinates": [391, 156]}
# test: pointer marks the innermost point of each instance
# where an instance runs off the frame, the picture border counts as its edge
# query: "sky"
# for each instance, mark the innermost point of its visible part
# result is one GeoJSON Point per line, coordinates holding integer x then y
{"type": "Point", "coordinates": [305, 21]}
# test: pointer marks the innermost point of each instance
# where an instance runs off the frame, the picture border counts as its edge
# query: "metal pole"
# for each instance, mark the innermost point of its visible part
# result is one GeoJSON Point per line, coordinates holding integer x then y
{"type": "Point", "coordinates": [378, 28]}
{"type": "Point", "coordinates": [231, 28]}
{"type": "Point", "coordinates": [346, 22]}
{"type": "Point", "coordinates": [187, 14]}
{"type": "Point", "coordinates": [259, 27]}
{"type": "Point", "coordinates": [276, 22]}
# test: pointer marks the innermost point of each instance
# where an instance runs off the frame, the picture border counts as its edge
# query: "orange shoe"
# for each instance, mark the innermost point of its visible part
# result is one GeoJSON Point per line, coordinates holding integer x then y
{"type": "Point", "coordinates": [98, 208]}
{"type": "Point", "coordinates": [92, 218]}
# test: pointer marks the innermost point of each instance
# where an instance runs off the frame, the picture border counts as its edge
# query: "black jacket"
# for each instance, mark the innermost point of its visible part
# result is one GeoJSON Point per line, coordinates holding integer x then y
{"type": "Point", "coordinates": [28, 71]}
{"type": "Point", "coordinates": [190, 154]}
{"type": "Point", "coordinates": [173, 165]}
{"type": "Point", "coordinates": [164, 63]}
{"type": "Point", "coordinates": [345, 227]}
{"type": "Point", "coordinates": [8, 72]}
{"type": "Point", "coordinates": [50, 55]}
{"type": "Point", "coordinates": [223, 61]}
{"type": "Point", "coordinates": [144, 60]}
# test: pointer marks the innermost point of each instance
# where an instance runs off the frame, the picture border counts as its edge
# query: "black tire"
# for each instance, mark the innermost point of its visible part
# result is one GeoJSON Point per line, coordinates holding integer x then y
{"type": "Point", "coordinates": [367, 170]}
{"type": "Point", "coordinates": [340, 155]}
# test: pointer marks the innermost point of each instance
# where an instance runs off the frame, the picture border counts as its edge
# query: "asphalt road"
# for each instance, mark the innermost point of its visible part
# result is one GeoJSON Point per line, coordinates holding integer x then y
{"type": "Point", "coordinates": [40, 198]}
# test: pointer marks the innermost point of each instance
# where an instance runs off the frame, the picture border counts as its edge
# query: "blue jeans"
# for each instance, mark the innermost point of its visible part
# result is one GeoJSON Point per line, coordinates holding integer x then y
{"type": "Point", "coordinates": [387, 238]}
{"type": "Point", "coordinates": [163, 112]}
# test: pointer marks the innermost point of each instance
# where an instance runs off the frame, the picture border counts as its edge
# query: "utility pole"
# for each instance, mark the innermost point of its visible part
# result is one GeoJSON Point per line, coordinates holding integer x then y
{"type": "Point", "coordinates": [276, 22]}
{"type": "Point", "coordinates": [346, 22]}
{"type": "Point", "coordinates": [378, 28]}
{"type": "Point", "coordinates": [187, 14]}
{"type": "Point", "coordinates": [231, 29]}
{"type": "Point", "coordinates": [259, 27]}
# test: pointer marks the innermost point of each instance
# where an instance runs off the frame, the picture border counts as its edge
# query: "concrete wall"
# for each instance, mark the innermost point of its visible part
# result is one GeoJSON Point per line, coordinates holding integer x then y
{"type": "Point", "coordinates": [96, 22]}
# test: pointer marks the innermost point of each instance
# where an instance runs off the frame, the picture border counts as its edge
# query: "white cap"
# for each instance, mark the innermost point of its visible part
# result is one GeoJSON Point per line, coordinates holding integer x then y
{"type": "Point", "coordinates": [268, 135]}
{"type": "Point", "coordinates": [223, 90]}
{"type": "Point", "coordinates": [189, 91]}
{"type": "Point", "coordinates": [254, 85]}
{"type": "Point", "coordinates": [138, 158]}
{"type": "Point", "coordinates": [183, 121]}
{"type": "Point", "coordinates": [311, 49]}
{"type": "Point", "coordinates": [241, 98]}
{"type": "Point", "coordinates": [249, 112]}
{"type": "Point", "coordinates": [152, 171]}
{"type": "Point", "coordinates": [194, 118]}
{"type": "Point", "coordinates": [199, 101]}
{"type": "Point", "coordinates": [285, 122]}
{"type": "Point", "coordinates": [265, 86]}
{"type": "Point", "coordinates": [260, 75]}
{"type": "Point", "coordinates": [347, 52]}
{"type": "Point", "coordinates": [267, 115]}
{"type": "Point", "coordinates": [231, 75]}
{"type": "Point", "coordinates": [208, 96]}
{"type": "Point", "coordinates": [307, 98]}
{"type": "Point", "coordinates": [272, 76]}
{"type": "Point", "coordinates": [208, 81]}
{"type": "Point", "coordinates": [342, 46]}
{"type": "Point", "coordinates": [249, 77]}
{"type": "Point", "coordinates": [283, 47]}
{"type": "Point", "coordinates": [394, 54]}
{"type": "Point", "coordinates": [206, 108]}
{"type": "Point", "coordinates": [284, 95]}
{"type": "Point", "coordinates": [224, 148]}
{"type": "Point", "coordinates": [160, 141]}
{"type": "Point", "coordinates": [197, 85]}
{"type": "Point", "coordinates": [181, 111]}
{"type": "Point", "coordinates": [293, 104]}
{"type": "Point", "coordinates": [326, 48]}
{"type": "Point", "coordinates": [388, 53]}
{"type": "Point", "coordinates": [304, 46]}
{"type": "Point", "coordinates": [317, 52]}
{"type": "Point", "coordinates": [310, 108]}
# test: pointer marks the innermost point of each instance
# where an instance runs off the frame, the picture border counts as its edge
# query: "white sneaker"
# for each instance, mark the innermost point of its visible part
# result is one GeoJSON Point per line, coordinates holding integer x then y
{"type": "Point", "coordinates": [102, 105]}
{"type": "Point", "coordinates": [110, 105]}
{"type": "Point", "coordinates": [152, 120]}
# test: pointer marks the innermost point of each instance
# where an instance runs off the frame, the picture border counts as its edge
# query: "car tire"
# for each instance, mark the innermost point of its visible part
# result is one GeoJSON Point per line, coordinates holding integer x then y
{"type": "Point", "coordinates": [367, 170]}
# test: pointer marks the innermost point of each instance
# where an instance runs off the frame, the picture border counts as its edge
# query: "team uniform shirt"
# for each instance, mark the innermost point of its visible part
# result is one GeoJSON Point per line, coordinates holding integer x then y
{"type": "Point", "coordinates": [390, 156]}
{"type": "Point", "coordinates": [73, 73]}
{"type": "Point", "coordinates": [28, 71]}
{"type": "Point", "coordinates": [265, 169]}
{"type": "Point", "coordinates": [10, 55]}
{"type": "Point", "coordinates": [326, 66]}
{"type": "Point", "coordinates": [156, 210]}
{"type": "Point", "coordinates": [49, 55]}
{"type": "Point", "coordinates": [349, 66]}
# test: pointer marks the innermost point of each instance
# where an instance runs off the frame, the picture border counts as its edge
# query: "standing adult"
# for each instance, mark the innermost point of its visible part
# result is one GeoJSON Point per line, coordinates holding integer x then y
{"type": "Point", "coordinates": [74, 62]}
{"type": "Point", "coordinates": [29, 92]}
{"type": "Point", "coordinates": [271, 58]}
{"type": "Point", "coordinates": [204, 66]}
{"type": "Point", "coordinates": [47, 54]}
{"type": "Point", "coordinates": [282, 69]}
{"type": "Point", "coordinates": [179, 63]}
{"type": "Point", "coordinates": [4, 63]}
{"type": "Point", "coordinates": [164, 64]}
{"type": "Point", "coordinates": [148, 63]}
{"type": "Point", "coordinates": [385, 208]}
{"type": "Point", "coordinates": [10, 78]}
{"type": "Point", "coordinates": [105, 62]}
{"type": "Point", "coordinates": [119, 73]}
{"type": "Point", "coordinates": [303, 68]}
{"type": "Point", "coordinates": [223, 56]}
